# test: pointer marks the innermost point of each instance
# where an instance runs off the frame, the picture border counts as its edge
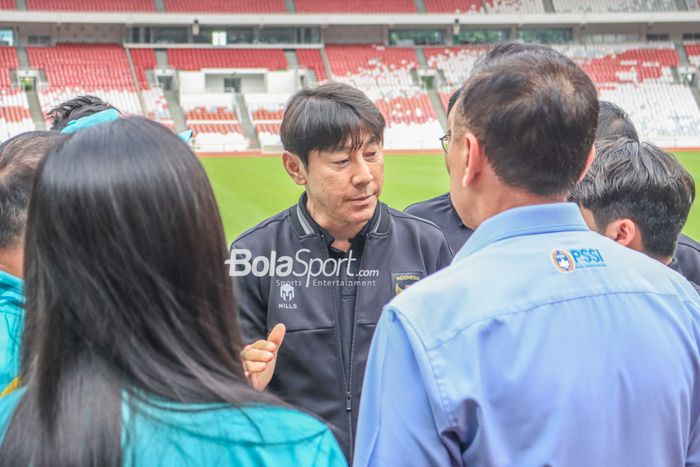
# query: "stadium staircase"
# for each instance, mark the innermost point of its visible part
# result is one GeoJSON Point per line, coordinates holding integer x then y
{"type": "Point", "coordinates": [178, 116]}
{"type": "Point", "coordinates": [682, 5]}
{"type": "Point", "coordinates": [160, 6]}
{"type": "Point", "coordinates": [22, 5]}
{"type": "Point", "coordinates": [35, 110]}
{"type": "Point", "coordinates": [548, 6]}
{"type": "Point", "coordinates": [246, 123]}
{"type": "Point", "coordinates": [326, 64]}
{"type": "Point", "coordinates": [290, 6]}
{"type": "Point", "coordinates": [144, 109]}
{"type": "Point", "coordinates": [420, 6]}
{"type": "Point", "coordinates": [682, 54]}
{"type": "Point", "coordinates": [439, 109]}
{"type": "Point", "coordinates": [22, 58]}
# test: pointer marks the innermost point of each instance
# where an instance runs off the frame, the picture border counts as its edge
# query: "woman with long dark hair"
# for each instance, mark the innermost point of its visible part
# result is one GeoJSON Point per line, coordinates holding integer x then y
{"type": "Point", "coordinates": [130, 354]}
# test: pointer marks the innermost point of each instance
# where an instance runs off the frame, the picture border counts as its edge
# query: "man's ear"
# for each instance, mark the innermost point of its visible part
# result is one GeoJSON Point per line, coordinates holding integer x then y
{"type": "Point", "coordinates": [591, 158]}
{"type": "Point", "coordinates": [625, 232]}
{"type": "Point", "coordinates": [474, 159]}
{"type": "Point", "coordinates": [294, 167]}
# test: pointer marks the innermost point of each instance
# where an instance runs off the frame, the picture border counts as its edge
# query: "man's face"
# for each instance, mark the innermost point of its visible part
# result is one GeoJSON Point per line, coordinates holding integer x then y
{"type": "Point", "coordinates": [456, 162]}
{"type": "Point", "coordinates": [343, 187]}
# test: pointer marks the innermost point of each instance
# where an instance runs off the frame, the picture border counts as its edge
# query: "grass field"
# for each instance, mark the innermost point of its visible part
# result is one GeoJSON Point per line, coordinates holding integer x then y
{"type": "Point", "coordinates": [252, 189]}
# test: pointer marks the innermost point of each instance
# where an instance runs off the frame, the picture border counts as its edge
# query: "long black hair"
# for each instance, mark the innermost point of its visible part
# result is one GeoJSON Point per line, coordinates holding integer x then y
{"type": "Point", "coordinates": [127, 292]}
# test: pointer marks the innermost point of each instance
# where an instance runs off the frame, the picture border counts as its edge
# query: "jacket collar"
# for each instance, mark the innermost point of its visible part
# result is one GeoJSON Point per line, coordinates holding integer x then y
{"type": "Point", "coordinates": [305, 225]}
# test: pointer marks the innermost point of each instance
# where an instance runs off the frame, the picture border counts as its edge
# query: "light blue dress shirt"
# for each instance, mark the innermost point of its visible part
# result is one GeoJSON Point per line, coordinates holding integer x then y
{"type": "Point", "coordinates": [542, 344]}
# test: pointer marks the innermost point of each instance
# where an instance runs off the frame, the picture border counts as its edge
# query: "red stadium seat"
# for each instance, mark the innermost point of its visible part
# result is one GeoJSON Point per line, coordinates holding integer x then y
{"type": "Point", "coordinates": [196, 59]}
{"type": "Point", "coordinates": [8, 61]}
{"type": "Point", "coordinates": [355, 6]}
{"type": "Point", "coordinates": [311, 59]}
{"type": "Point", "coordinates": [451, 6]}
{"type": "Point", "coordinates": [8, 5]}
{"type": "Point", "coordinates": [225, 6]}
{"type": "Point", "coordinates": [92, 5]}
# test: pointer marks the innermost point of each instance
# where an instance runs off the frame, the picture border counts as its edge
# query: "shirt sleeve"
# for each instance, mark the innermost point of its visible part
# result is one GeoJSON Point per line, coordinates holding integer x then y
{"type": "Point", "coordinates": [252, 308]}
{"type": "Point", "coordinates": [400, 412]}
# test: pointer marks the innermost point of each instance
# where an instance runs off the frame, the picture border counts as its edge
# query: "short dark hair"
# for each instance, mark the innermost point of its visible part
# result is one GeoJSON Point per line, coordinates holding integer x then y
{"type": "Point", "coordinates": [453, 100]}
{"type": "Point", "coordinates": [641, 182]}
{"type": "Point", "coordinates": [535, 112]}
{"type": "Point", "coordinates": [613, 122]}
{"type": "Point", "coordinates": [19, 157]}
{"type": "Point", "coordinates": [73, 109]}
{"type": "Point", "coordinates": [328, 117]}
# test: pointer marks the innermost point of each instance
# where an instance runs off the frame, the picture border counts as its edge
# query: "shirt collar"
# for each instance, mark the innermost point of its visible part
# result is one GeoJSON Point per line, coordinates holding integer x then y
{"type": "Point", "coordinates": [8, 282]}
{"type": "Point", "coordinates": [522, 221]}
{"type": "Point", "coordinates": [327, 237]}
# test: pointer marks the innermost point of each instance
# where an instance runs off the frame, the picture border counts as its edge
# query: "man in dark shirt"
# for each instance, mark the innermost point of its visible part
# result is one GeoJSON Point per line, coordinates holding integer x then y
{"type": "Point", "coordinates": [314, 278]}
{"type": "Point", "coordinates": [637, 195]}
{"type": "Point", "coordinates": [439, 210]}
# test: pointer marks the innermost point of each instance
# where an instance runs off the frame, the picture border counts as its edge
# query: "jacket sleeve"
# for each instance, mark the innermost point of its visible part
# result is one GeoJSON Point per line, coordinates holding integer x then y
{"type": "Point", "coordinates": [445, 254]}
{"type": "Point", "coordinates": [252, 307]}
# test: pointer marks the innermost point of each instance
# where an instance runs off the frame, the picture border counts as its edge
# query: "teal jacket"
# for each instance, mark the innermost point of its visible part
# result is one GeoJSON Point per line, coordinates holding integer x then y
{"type": "Point", "coordinates": [175, 435]}
{"type": "Point", "coordinates": [11, 324]}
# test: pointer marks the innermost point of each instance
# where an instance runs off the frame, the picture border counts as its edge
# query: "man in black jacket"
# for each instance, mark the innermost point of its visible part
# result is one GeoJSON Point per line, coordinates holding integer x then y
{"type": "Point", "coordinates": [313, 279]}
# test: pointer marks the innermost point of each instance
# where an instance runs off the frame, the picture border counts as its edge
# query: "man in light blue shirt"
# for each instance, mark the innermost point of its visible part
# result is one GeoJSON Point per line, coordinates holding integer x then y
{"type": "Point", "coordinates": [544, 343]}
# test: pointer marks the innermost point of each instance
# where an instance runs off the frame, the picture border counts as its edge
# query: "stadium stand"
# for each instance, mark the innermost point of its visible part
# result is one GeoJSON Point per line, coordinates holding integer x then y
{"type": "Point", "coordinates": [14, 113]}
{"type": "Point", "coordinates": [311, 59]}
{"type": "Point", "coordinates": [74, 69]}
{"type": "Point", "coordinates": [266, 113]}
{"type": "Point", "coordinates": [355, 6]}
{"type": "Point", "coordinates": [609, 6]}
{"type": "Point", "coordinates": [384, 74]}
{"type": "Point", "coordinates": [214, 119]}
{"type": "Point", "coordinates": [196, 59]}
{"type": "Point", "coordinates": [91, 5]}
{"type": "Point", "coordinates": [8, 5]}
{"type": "Point", "coordinates": [14, 106]}
{"type": "Point", "coordinates": [693, 51]}
{"type": "Point", "coordinates": [452, 6]}
{"type": "Point", "coordinates": [156, 104]}
{"type": "Point", "coordinates": [515, 6]}
{"type": "Point", "coordinates": [454, 62]}
{"type": "Point", "coordinates": [225, 6]}
{"type": "Point", "coordinates": [638, 77]}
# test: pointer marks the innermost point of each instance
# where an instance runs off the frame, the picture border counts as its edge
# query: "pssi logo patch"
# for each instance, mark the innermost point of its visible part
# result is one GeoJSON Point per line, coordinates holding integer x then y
{"type": "Point", "coordinates": [400, 281]}
{"type": "Point", "coordinates": [577, 258]}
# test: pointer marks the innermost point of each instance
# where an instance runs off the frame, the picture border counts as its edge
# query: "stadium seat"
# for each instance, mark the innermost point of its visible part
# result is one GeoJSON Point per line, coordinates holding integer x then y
{"type": "Point", "coordinates": [693, 51]}
{"type": "Point", "coordinates": [515, 6]}
{"type": "Point", "coordinates": [452, 6]}
{"type": "Point", "coordinates": [196, 59]}
{"type": "Point", "coordinates": [8, 5]}
{"type": "Point", "coordinates": [92, 5]}
{"type": "Point", "coordinates": [612, 6]}
{"type": "Point", "coordinates": [355, 6]}
{"type": "Point", "coordinates": [225, 6]}
{"type": "Point", "coordinates": [311, 59]}
{"type": "Point", "coordinates": [454, 62]}
{"type": "Point", "coordinates": [74, 69]}
{"type": "Point", "coordinates": [154, 99]}
{"type": "Point", "coordinates": [14, 112]}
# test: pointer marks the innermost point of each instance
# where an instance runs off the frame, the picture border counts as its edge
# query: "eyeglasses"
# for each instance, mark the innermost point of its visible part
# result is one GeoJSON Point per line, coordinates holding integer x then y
{"type": "Point", "coordinates": [445, 142]}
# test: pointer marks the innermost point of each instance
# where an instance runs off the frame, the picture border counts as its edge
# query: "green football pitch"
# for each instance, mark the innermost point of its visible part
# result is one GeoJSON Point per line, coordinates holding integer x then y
{"type": "Point", "coordinates": [251, 189]}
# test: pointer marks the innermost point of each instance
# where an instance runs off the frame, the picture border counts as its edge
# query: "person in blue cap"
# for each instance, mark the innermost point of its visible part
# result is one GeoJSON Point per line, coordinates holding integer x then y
{"type": "Point", "coordinates": [544, 343]}
{"type": "Point", "coordinates": [19, 157]}
{"type": "Point", "coordinates": [87, 111]}
{"type": "Point", "coordinates": [131, 350]}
